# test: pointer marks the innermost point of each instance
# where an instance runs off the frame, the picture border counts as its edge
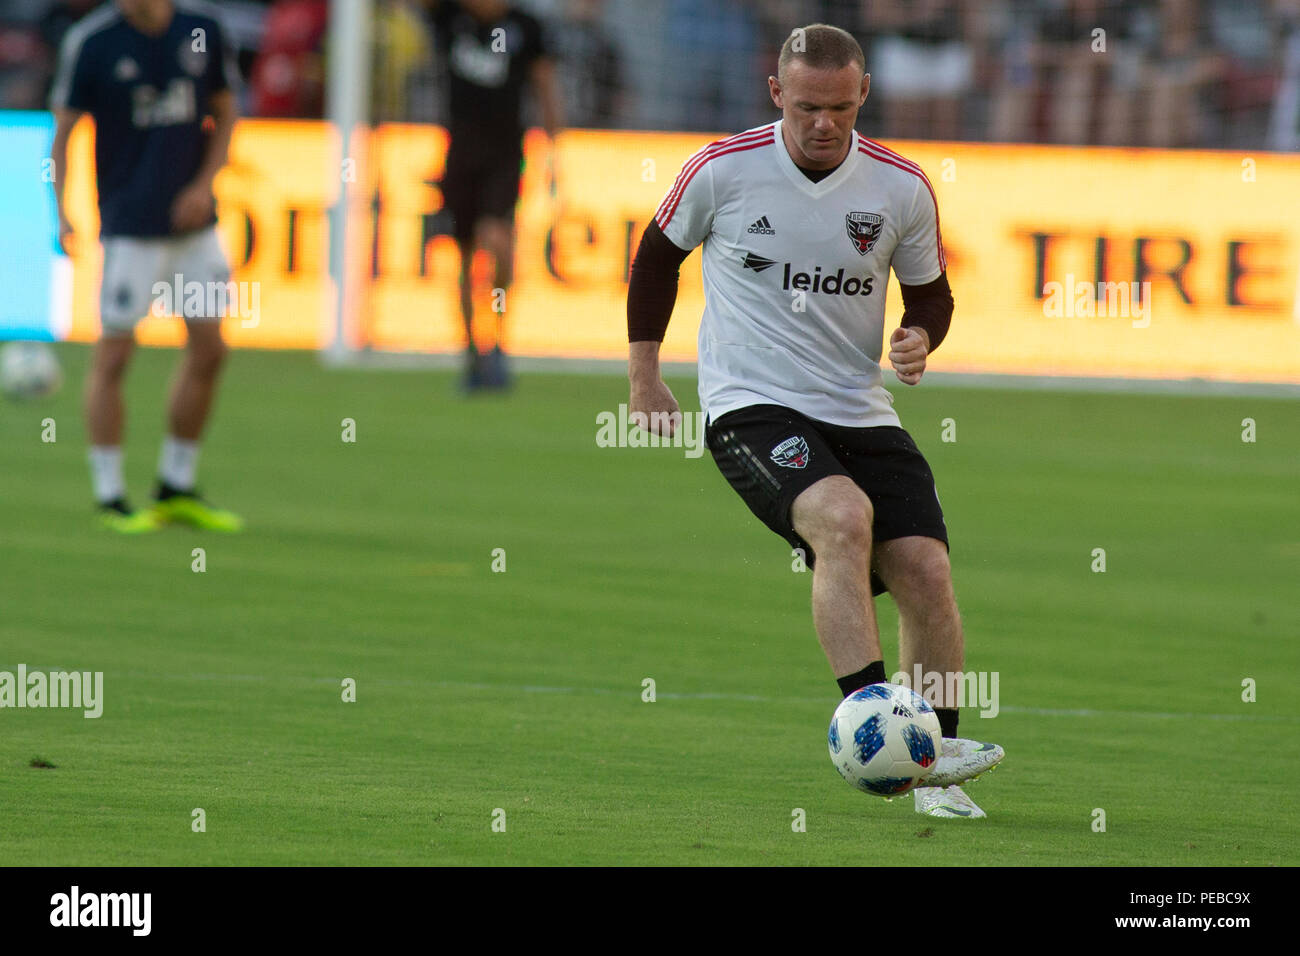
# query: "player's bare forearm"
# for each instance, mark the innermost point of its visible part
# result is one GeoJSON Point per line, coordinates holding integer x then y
{"type": "Point", "coordinates": [224, 113]}
{"type": "Point", "coordinates": [651, 403]}
{"type": "Point", "coordinates": [547, 90]}
{"type": "Point", "coordinates": [64, 121]}
{"type": "Point", "coordinates": [643, 362]}
{"type": "Point", "coordinates": [193, 205]}
{"type": "Point", "coordinates": [59, 164]}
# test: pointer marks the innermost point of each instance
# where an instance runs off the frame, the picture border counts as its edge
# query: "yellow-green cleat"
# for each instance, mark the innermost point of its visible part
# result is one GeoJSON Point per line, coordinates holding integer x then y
{"type": "Point", "coordinates": [177, 507]}
{"type": "Point", "coordinates": [118, 516]}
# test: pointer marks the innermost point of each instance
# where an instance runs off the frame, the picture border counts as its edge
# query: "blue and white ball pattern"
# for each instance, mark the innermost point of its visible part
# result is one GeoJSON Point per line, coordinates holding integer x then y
{"type": "Point", "coordinates": [884, 739]}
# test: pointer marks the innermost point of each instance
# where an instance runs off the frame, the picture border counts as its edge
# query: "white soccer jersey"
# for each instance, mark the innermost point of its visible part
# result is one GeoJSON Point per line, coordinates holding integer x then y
{"type": "Point", "coordinates": [795, 272]}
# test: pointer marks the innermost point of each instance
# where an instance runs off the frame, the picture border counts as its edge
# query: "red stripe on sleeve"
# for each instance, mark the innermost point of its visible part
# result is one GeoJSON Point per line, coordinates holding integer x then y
{"type": "Point", "coordinates": [891, 158]}
{"type": "Point", "coordinates": [734, 144]}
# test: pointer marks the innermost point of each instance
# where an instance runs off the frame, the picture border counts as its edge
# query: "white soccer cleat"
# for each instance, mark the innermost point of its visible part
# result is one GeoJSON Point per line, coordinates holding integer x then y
{"type": "Point", "coordinates": [962, 760]}
{"type": "Point", "coordinates": [950, 802]}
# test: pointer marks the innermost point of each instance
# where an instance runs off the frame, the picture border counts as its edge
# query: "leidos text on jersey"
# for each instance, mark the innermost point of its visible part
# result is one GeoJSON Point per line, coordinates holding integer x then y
{"type": "Point", "coordinates": [832, 284]}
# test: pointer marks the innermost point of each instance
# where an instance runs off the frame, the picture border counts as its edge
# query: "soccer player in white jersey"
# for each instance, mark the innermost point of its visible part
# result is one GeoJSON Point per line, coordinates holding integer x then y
{"type": "Point", "coordinates": [150, 73]}
{"type": "Point", "coordinates": [801, 221]}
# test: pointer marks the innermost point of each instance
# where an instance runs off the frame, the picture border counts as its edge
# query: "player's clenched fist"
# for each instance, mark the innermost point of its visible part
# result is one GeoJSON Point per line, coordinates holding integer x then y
{"type": "Point", "coordinates": [653, 408]}
{"type": "Point", "coordinates": [907, 351]}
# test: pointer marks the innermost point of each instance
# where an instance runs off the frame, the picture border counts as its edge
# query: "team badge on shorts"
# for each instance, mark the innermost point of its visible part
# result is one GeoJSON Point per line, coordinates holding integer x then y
{"type": "Point", "coordinates": [864, 229]}
{"type": "Point", "coordinates": [792, 453]}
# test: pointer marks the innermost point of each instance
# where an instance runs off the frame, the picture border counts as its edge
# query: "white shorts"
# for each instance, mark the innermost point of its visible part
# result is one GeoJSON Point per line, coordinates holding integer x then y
{"type": "Point", "coordinates": [907, 70]}
{"type": "Point", "coordinates": [165, 276]}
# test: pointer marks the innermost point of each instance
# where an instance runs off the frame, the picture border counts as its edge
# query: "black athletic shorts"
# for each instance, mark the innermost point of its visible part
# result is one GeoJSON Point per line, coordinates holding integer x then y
{"type": "Point", "coordinates": [771, 454]}
{"type": "Point", "coordinates": [476, 184]}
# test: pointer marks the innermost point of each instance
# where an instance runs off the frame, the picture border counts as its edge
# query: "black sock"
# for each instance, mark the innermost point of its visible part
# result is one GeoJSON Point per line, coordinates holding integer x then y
{"type": "Point", "coordinates": [873, 673]}
{"type": "Point", "coordinates": [947, 721]}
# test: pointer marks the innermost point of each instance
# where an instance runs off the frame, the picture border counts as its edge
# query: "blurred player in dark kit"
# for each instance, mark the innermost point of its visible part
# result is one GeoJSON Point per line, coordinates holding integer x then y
{"type": "Point", "coordinates": [492, 52]}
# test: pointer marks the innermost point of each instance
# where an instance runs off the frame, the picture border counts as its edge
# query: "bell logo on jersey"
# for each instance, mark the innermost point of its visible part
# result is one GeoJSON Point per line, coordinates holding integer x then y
{"type": "Point", "coordinates": [175, 106]}
{"type": "Point", "coordinates": [792, 453]}
{"type": "Point", "coordinates": [864, 229]}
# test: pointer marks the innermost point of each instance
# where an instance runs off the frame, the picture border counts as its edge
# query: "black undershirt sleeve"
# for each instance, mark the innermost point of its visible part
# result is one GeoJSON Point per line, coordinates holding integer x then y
{"type": "Point", "coordinates": [929, 307]}
{"type": "Point", "coordinates": [652, 285]}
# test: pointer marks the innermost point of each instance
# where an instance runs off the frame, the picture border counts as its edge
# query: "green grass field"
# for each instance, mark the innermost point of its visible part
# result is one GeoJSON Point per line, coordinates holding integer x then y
{"type": "Point", "coordinates": [522, 690]}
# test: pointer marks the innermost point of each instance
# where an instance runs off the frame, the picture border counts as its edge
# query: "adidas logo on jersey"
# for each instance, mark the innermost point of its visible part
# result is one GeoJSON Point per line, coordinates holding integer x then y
{"type": "Point", "coordinates": [761, 227]}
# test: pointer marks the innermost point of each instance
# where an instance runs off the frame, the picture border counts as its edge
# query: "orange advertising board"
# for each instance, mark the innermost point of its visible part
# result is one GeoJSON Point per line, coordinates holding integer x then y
{"type": "Point", "coordinates": [1050, 250]}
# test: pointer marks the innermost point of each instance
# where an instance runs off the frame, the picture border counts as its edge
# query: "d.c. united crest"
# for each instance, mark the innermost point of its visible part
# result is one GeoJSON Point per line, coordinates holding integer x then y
{"type": "Point", "coordinates": [792, 453]}
{"type": "Point", "coordinates": [864, 229]}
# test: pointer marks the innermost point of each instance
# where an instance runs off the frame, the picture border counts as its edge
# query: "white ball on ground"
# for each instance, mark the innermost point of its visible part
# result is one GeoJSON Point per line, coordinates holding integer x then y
{"type": "Point", "coordinates": [29, 370]}
{"type": "Point", "coordinates": [884, 739]}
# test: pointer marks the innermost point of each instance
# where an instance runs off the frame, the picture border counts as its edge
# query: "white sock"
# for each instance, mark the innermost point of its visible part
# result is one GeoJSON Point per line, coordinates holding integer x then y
{"type": "Point", "coordinates": [178, 462]}
{"type": "Point", "coordinates": [106, 473]}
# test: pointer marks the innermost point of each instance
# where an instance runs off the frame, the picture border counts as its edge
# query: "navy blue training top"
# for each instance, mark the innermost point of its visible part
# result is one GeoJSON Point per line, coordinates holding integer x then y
{"type": "Point", "coordinates": [149, 96]}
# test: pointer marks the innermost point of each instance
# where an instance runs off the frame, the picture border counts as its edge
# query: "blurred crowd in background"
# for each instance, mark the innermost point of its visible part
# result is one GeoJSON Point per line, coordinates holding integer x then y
{"type": "Point", "coordinates": [1168, 73]}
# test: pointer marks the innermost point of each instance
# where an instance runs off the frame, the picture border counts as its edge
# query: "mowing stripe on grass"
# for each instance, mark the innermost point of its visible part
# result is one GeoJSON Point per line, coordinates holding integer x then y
{"type": "Point", "coordinates": [497, 688]}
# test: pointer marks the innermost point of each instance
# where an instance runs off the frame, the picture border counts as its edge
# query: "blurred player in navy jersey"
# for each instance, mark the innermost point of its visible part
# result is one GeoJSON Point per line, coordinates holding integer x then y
{"type": "Point", "coordinates": [492, 52]}
{"type": "Point", "coordinates": [150, 73]}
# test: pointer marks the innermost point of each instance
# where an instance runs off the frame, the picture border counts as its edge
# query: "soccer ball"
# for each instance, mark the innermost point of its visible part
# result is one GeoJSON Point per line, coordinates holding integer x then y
{"type": "Point", "coordinates": [29, 370]}
{"type": "Point", "coordinates": [884, 739]}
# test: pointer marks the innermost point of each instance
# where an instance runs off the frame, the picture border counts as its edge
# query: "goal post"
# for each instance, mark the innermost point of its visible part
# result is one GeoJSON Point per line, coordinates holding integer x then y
{"type": "Point", "coordinates": [347, 109]}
